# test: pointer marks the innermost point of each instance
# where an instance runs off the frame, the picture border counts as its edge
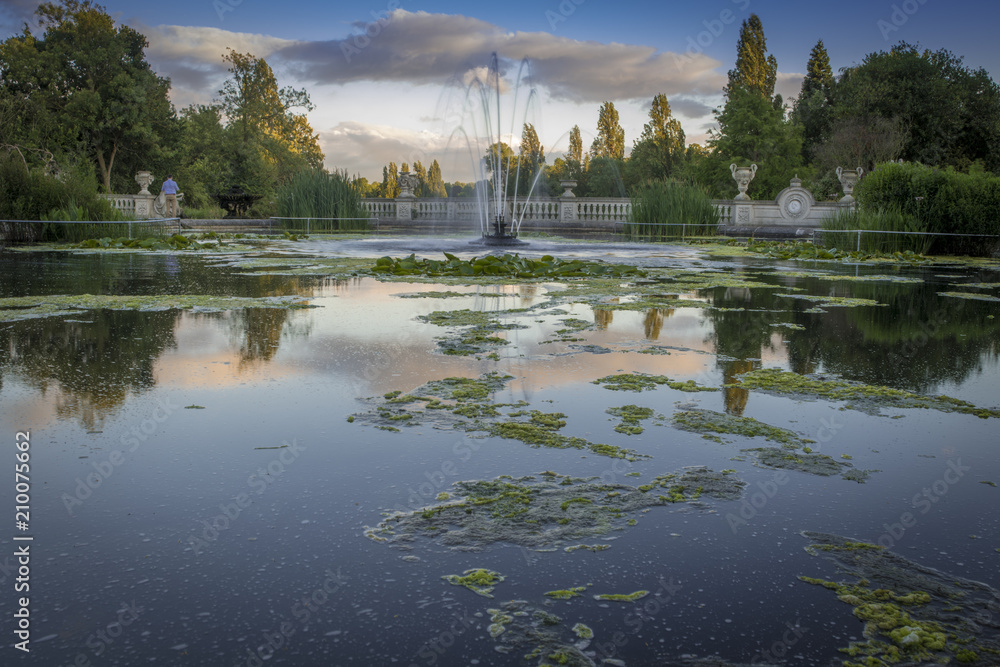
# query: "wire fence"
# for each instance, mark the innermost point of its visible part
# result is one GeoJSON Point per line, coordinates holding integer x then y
{"type": "Point", "coordinates": [327, 225]}
{"type": "Point", "coordinates": [639, 229]}
{"type": "Point", "coordinates": [860, 232]}
{"type": "Point", "coordinates": [74, 230]}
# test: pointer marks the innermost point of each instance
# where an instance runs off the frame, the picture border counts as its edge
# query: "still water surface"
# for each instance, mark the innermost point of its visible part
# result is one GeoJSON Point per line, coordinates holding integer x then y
{"type": "Point", "coordinates": [203, 543]}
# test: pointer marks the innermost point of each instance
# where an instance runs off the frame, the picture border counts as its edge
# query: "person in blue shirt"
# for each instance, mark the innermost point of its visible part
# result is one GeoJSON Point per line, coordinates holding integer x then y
{"type": "Point", "coordinates": [170, 188]}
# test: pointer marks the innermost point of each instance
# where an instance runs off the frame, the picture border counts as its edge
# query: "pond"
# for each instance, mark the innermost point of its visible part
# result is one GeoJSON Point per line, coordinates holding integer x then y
{"type": "Point", "coordinates": [298, 476]}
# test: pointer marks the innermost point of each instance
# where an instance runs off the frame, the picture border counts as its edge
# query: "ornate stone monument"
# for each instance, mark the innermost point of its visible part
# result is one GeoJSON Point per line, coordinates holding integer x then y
{"type": "Point", "coordinates": [795, 202]}
{"type": "Point", "coordinates": [407, 182]}
{"type": "Point", "coordinates": [848, 179]}
{"type": "Point", "coordinates": [743, 176]}
{"type": "Point", "coordinates": [567, 207]}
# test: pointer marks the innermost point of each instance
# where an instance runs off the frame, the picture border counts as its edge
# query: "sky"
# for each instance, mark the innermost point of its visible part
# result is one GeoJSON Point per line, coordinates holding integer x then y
{"type": "Point", "coordinates": [389, 78]}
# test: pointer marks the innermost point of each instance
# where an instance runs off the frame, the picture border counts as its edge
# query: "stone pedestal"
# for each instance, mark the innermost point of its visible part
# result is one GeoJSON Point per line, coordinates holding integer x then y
{"type": "Point", "coordinates": [144, 205]}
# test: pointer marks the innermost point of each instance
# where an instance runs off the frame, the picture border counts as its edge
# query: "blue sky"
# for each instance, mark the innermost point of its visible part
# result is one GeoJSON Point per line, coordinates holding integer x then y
{"type": "Point", "coordinates": [383, 96]}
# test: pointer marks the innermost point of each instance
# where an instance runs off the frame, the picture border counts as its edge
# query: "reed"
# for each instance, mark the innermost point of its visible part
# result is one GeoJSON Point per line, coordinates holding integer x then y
{"type": "Point", "coordinates": [888, 219]}
{"type": "Point", "coordinates": [668, 210]}
{"type": "Point", "coordinates": [328, 202]}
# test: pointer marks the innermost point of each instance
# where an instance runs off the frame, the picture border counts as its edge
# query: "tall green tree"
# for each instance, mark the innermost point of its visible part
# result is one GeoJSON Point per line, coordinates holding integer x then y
{"type": "Point", "coordinates": [755, 70]}
{"type": "Point", "coordinates": [253, 103]}
{"type": "Point", "coordinates": [814, 107]}
{"type": "Point", "coordinates": [660, 148]}
{"type": "Point", "coordinates": [435, 184]}
{"type": "Point", "coordinates": [531, 154]}
{"type": "Point", "coordinates": [90, 80]}
{"type": "Point", "coordinates": [610, 141]}
{"type": "Point", "coordinates": [390, 181]}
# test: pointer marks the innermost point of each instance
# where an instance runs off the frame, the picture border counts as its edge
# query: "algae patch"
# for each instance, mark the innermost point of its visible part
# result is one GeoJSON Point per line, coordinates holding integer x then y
{"type": "Point", "coordinates": [643, 381]}
{"type": "Point", "coordinates": [27, 307]}
{"type": "Point", "coordinates": [544, 512]}
{"type": "Point", "coordinates": [911, 613]}
{"type": "Point", "coordinates": [622, 597]}
{"type": "Point", "coordinates": [861, 397]}
{"type": "Point", "coordinates": [708, 422]}
{"type": "Point", "coordinates": [479, 580]}
{"type": "Point", "coordinates": [631, 417]}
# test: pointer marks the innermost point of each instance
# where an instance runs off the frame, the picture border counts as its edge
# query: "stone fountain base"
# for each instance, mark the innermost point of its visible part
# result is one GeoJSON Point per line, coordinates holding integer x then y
{"type": "Point", "coordinates": [492, 240]}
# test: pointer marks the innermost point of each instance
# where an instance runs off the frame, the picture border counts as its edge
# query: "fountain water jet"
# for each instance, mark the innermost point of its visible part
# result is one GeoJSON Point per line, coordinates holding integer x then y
{"type": "Point", "coordinates": [499, 177]}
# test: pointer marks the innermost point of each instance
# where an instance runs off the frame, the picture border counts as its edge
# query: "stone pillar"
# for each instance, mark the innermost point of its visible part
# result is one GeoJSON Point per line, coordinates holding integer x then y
{"type": "Point", "coordinates": [404, 202]}
{"type": "Point", "coordinates": [452, 210]}
{"type": "Point", "coordinates": [144, 205]}
{"type": "Point", "coordinates": [567, 202]}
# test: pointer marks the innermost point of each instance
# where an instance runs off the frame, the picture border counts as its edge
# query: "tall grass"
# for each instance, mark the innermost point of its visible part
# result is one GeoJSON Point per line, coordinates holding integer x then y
{"type": "Point", "coordinates": [665, 210]}
{"type": "Point", "coordinates": [331, 202]}
{"type": "Point", "coordinates": [888, 219]}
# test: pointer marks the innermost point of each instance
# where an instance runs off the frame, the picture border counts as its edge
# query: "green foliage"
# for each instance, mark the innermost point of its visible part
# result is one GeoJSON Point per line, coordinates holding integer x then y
{"type": "Point", "coordinates": [610, 141]}
{"type": "Point", "coordinates": [657, 203]}
{"type": "Point", "coordinates": [660, 148]}
{"type": "Point", "coordinates": [755, 70]}
{"type": "Point", "coordinates": [950, 114]}
{"type": "Point", "coordinates": [513, 266]}
{"type": "Point", "coordinates": [33, 195]}
{"type": "Point", "coordinates": [939, 200]}
{"type": "Point", "coordinates": [316, 194]}
{"type": "Point", "coordinates": [752, 131]}
{"type": "Point", "coordinates": [88, 85]}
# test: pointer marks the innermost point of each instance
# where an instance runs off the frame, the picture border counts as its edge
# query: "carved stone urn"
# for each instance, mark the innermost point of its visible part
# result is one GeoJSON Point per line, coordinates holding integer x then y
{"type": "Point", "coordinates": [407, 183]}
{"type": "Point", "coordinates": [144, 179]}
{"type": "Point", "coordinates": [848, 179]}
{"type": "Point", "coordinates": [568, 188]}
{"type": "Point", "coordinates": [743, 176]}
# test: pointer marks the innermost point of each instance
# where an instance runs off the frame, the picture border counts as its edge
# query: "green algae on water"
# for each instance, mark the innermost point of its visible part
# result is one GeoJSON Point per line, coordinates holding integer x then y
{"type": "Point", "coordinates": [833, 301]}
{"type": "Point", "coordinates": [631, 418]}
{"type": "Point", "coordinates": [27, 307]}
{"type": "Point", "coordinates": [539, 636]}
{"type": "Point", "coordinates": [812, 463]}
{"type": "Point", "coordinates": [620, 597]}
{"type": "Point", "coordinates": [567, 593]}
{"type": "Point", "coordinates": [479, 580]}
{"type": "Point", "coordinates": [644, 381]}
{"type": "Point", "coordinates": [709, 422]}
{"type": "Point", "coordinates": [971, 296]}
{"type": "Point", "coordinates": [862, 397]}
{"type": "Point", "coordinates": [912, 614]}
{"type": "Point", "coordinates": [554, 511]}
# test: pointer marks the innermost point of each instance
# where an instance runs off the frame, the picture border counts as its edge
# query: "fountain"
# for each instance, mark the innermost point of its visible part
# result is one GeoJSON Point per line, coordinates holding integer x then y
{"type": "Point", "coordinates": [499, 175]}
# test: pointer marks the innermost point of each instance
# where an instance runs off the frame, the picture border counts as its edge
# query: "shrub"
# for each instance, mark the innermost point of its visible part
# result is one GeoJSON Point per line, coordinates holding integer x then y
{"type": "Point", "coordinates": [669, 210]}
{"type": "Point", "coordinates": [331, 202]}
{"type": "Point", "coordinates": [30, 194]}
{"type": "Point", "coordinates": [940, 201]}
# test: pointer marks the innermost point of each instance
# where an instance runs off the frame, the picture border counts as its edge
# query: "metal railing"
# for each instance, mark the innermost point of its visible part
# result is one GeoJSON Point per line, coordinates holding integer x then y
{"type": "Point", "coordinates": [138, 223]}
{"type": "Point", "coordinates": [373, 221]}
{"type": "Point", "coordinates": [682, 225]}
{"type": "Point", "coordinates": [859, 232]}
